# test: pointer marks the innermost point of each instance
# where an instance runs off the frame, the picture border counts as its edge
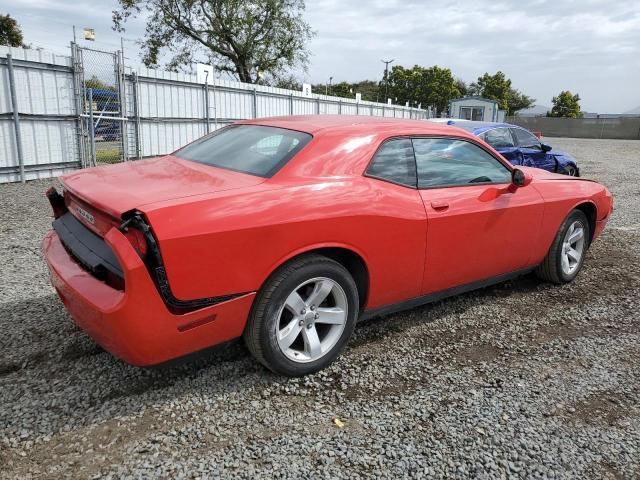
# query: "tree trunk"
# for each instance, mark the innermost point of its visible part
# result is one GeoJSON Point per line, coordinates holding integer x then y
{"type": "Point", "coordinates": [244, 74]}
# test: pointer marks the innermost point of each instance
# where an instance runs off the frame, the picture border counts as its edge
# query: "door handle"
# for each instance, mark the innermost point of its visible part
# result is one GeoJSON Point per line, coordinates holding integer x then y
{"type": "Point", "coordinates": [439, 205]}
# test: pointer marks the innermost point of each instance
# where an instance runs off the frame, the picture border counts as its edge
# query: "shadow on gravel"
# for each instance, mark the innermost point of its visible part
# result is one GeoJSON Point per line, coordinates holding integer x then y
{"type": "Point", "coordinates": [379, 328]}
{"type": "Point", "coordinates": [39, 331]}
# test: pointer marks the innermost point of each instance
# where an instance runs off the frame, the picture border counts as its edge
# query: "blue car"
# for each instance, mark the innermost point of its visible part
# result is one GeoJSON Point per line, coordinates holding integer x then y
{"type": "Point", "coordinates": [519, 146]}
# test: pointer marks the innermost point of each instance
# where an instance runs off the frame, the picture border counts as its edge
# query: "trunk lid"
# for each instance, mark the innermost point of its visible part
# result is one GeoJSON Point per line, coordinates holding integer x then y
{"type": "Point", "coordinates": [116, 189]}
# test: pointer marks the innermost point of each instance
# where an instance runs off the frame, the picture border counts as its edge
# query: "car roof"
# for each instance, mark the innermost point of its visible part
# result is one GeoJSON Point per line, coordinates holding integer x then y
{"type": "Point", "coordinates": [321, 123]}
{"type": "Point", "coordinates": [473, 126]}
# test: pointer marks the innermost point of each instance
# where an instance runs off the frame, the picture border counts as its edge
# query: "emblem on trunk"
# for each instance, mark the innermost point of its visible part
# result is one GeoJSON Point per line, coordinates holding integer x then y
{"type": "Point", "coordinates": [86, 215]}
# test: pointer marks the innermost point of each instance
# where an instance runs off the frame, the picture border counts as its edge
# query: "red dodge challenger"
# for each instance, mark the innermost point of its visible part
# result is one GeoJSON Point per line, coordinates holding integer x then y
{"type": "Point", "coordinates": [286, 231]}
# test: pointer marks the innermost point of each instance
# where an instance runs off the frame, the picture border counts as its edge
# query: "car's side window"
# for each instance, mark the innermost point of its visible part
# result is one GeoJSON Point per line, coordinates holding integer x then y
{"type": "Point", "coordinates": [525, 139]}
{"type": "Point", "coordinates": [499, 138]}
{"type": "Point", "coordinates": [448, 162]}
{"type": "Point", "coordinates": [394, 162]}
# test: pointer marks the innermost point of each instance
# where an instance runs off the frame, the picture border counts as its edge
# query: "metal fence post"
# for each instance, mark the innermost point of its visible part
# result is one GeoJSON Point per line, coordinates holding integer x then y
{"type": "Point", "coordinates": [291, 104]}
{"type": "Point", "coordinates": [92, 133]}
{"type": "Point", "coordinates": [206, 103]}
{"type": "Point", "coordinates": [16, 116]}
{"type": "Point", "coordinates": [318, 105]}
{"type": "Point", "coordinates": [255, 104]}
{"type": "Point", "coordinates": [357, 108]}
{"type": "Point", "coordinates": [136, 115]}
{"type": "Point", "coordinates": [123, 103]}
{"type": "Point", "coordinates": [76, 65]}
{"type": "Point", "coordinates": [339, 107]}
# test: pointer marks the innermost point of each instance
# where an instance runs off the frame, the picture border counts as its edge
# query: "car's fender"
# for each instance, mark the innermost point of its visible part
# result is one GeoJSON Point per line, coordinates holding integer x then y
{"type": "Point", "coordinates": [561, 195]}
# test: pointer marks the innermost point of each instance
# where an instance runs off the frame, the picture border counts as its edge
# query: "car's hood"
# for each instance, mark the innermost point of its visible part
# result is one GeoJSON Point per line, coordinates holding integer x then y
{"type": "Point", "coordinates": [116, 189]}
{"type": "Point", "coordinates": [540, 174]}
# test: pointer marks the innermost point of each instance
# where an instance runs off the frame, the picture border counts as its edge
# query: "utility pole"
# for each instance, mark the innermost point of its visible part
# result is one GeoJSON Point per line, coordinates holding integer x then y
{"type": "Point", "coordinates": [327, 87]}
{"type": "Point", "coordinates": [386, 77]}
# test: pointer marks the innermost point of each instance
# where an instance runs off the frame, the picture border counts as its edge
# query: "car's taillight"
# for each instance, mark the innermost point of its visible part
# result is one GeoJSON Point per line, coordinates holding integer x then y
{"type": "Point", "coordinates": [57, 202]}
{"type": "Point", "coordinates": [136, 238]}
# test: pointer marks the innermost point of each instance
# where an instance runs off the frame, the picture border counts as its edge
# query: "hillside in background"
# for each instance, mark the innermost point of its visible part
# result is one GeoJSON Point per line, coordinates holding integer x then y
{"type": "Point", "coordinates": [534, 111]}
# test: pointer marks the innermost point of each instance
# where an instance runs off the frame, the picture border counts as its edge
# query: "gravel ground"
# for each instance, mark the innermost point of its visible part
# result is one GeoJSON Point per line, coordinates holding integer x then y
{"type": "Point", "coordinates": [520, 380]}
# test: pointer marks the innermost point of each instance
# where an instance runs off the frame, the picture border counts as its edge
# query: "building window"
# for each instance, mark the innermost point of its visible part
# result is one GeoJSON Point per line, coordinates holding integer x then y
{"type": "Point", "coordinates": [472, 113]}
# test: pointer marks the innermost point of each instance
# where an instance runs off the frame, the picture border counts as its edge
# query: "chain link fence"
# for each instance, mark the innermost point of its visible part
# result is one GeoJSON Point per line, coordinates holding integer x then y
{"type": "Point", "coordinates": [103, 120]}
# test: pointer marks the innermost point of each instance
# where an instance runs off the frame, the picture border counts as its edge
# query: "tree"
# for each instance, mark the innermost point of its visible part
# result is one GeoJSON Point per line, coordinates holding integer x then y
{"type": "Point", "coordinates": [340, 89]}
{"type": "Point", "coordinates": [97, 84]}
{"type": "Point", "coordinates": [369, 89]}
{"type": "Point", "coordinates": [250, 39]}
{"type": "Point", "coordinates": [431, 87]}
{"type": "Point", "coordinates": [289, 82]}
{"type": "Point", "coordinates": [566, 105]}
{"type": "Point", "coordinates": [462, 87]}
{"type": "Point", "coordinates": [518, 101]}
{"type": "Point", "coordinates": [10, 33]}
{"type": "Point", "coordinates": [498, 87]}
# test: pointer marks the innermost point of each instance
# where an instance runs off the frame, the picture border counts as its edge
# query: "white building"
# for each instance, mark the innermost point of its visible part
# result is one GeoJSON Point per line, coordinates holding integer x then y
{"type": "Point", "coordinates": [476, 108]}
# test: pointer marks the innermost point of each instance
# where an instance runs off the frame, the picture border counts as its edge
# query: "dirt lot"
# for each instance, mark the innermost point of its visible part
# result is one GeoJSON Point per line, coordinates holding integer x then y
{"type": "Point", "coordinates": [520, 380]}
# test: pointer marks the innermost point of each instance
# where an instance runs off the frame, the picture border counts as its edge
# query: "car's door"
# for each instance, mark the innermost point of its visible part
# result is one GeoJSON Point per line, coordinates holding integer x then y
{"type": "Point", "coordinates": [479, 224]}
{"type": "Point", "coordinates": [502, 140]}
{"type": "Point", "coordinates": [397, 263]}
{"type": "Point", "coordinates": [532, 153]}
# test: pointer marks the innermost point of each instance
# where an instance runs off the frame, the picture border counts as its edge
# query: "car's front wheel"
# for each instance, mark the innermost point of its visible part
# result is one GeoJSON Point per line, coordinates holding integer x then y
{"type": "Point", "coordinates": [566, 255]}
{"type": "Point", "coordinates": [303, 316]}
{"type": "Point", "coordinates": [571, 170]}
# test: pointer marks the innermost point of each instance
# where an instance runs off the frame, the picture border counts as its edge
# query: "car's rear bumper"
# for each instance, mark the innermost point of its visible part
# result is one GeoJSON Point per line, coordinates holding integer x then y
{"type": "Point", "coordinates": [134, 324]}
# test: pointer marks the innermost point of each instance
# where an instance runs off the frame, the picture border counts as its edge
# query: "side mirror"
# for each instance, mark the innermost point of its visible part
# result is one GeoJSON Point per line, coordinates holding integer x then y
{"type": "Point", "coordinates": [520, 178]}
{"type": "Point", "coordinates": [545, 147]}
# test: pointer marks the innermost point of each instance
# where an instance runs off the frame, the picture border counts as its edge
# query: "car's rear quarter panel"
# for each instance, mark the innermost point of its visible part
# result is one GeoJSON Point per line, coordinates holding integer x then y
{"type": "Point", "coordinates": [232, 243]}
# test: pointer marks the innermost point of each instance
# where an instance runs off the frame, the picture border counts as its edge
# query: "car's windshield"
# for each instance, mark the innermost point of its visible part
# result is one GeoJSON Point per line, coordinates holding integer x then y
{"type": "Point", "coordinates": [254, 149]}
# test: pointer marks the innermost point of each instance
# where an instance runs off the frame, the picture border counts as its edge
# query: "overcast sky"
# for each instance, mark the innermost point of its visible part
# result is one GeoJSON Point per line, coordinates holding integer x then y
{"type": "Point", "coordinates": [591, 47]}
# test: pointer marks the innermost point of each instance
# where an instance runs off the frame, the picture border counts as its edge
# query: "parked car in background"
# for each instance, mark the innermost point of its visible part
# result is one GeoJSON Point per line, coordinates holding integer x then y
{"type": "Point", "coordinates": [518, 145]}
{"type": "Point", "coordinates": [107, 132]}
{"type": "Point", "coordinates": [286, 230]}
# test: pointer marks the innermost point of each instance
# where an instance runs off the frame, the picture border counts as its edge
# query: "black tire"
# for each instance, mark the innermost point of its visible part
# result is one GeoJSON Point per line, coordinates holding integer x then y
{"type": "Point", "coordinates": [550, 270]}
{"type": "Point", "coordinates": [260, 334]}
{"type": "Point", "coordinates": [571, 170]}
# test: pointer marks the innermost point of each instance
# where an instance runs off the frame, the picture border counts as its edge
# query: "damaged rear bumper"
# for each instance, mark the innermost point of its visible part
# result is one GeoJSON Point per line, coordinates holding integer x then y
{"type": "Point", "coordinates": [135, 324]}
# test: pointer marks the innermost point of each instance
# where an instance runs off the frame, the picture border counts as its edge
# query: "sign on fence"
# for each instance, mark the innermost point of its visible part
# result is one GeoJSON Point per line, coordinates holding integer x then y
{"type": "Point", "coordinates": [204, 73]}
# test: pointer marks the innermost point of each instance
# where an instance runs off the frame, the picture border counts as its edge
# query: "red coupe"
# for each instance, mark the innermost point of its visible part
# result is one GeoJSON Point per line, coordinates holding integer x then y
{"type": "Point", "coordinates": [288, 230]}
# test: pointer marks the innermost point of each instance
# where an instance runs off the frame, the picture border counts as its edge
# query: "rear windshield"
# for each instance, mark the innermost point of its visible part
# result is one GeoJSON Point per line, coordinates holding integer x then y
{"type": "Point", "coordinates": [253, 149]}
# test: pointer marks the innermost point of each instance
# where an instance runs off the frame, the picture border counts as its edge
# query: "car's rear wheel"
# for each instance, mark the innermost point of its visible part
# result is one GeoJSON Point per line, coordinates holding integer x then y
{"type": "Point", "coordinates": [566, 255]}
{"type": "Point", "coordinates": [303, 316]}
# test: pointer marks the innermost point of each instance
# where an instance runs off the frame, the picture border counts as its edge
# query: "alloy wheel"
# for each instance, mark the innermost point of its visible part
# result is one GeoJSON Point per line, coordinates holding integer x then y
{"type": "Point", "coordinates": [572, 248]}
{"type": "Point", "coordinates": [571, 171]}
{"type": "Point", "coordinates": [312, 319]}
